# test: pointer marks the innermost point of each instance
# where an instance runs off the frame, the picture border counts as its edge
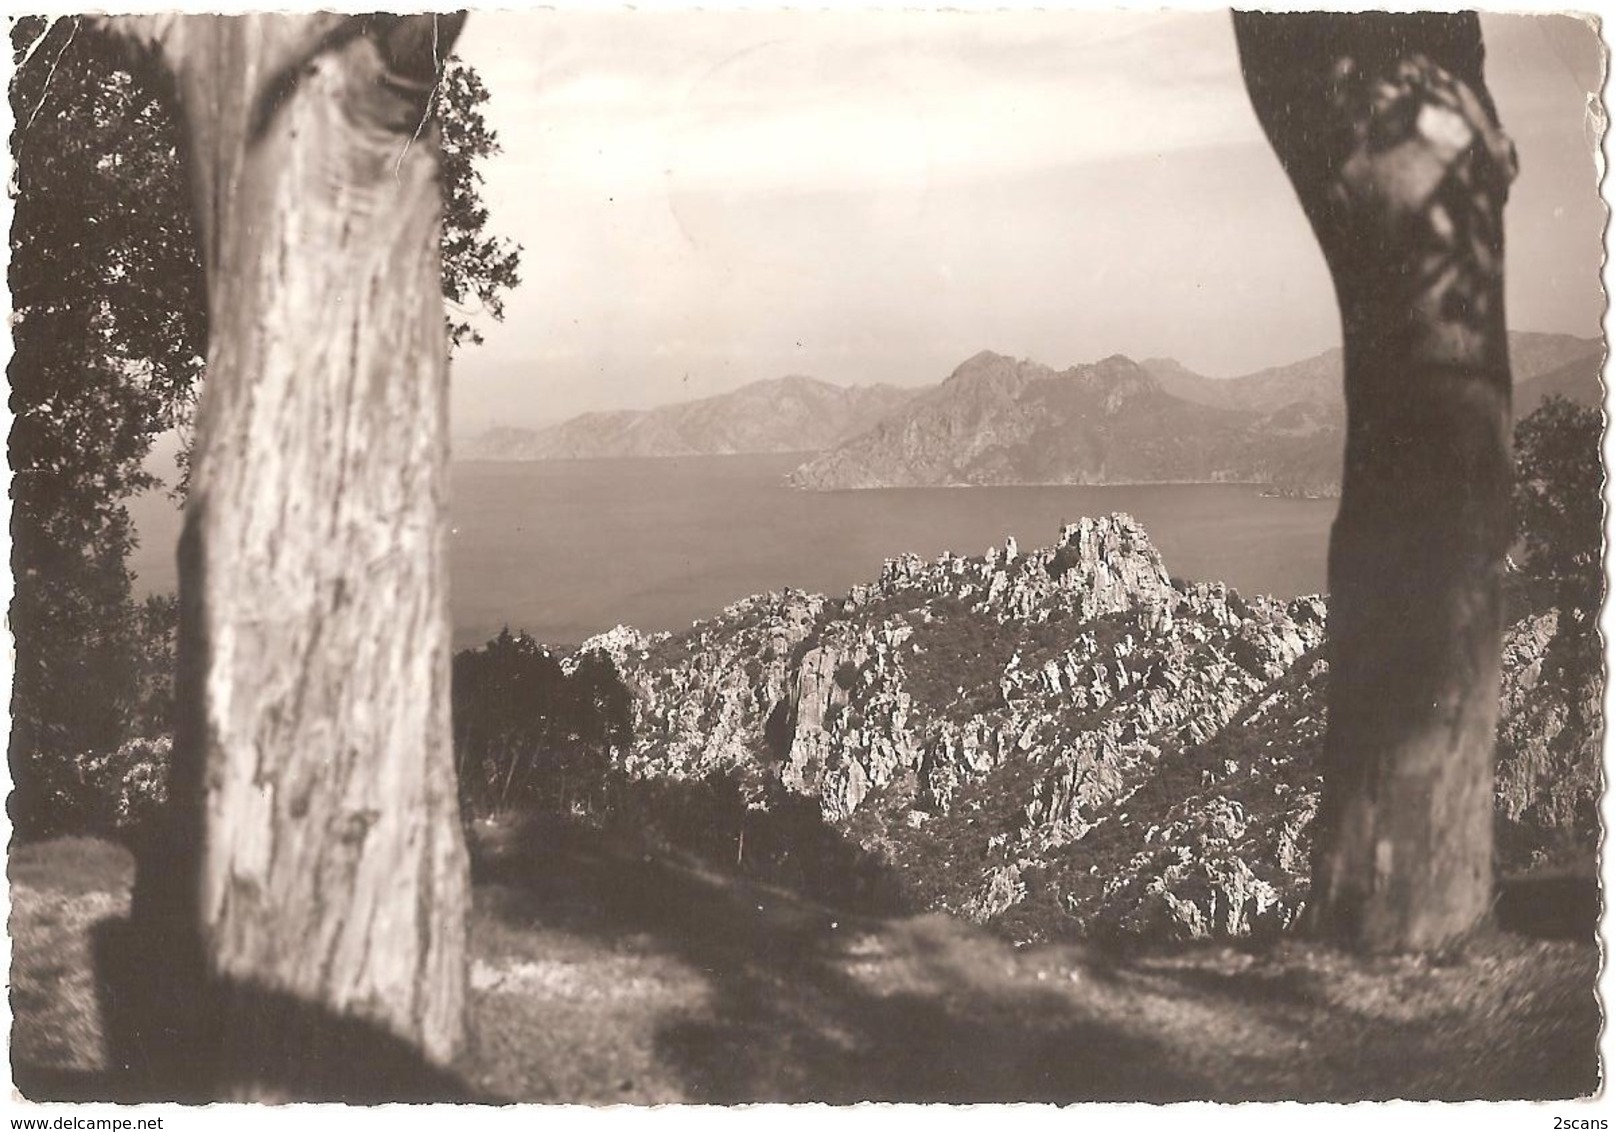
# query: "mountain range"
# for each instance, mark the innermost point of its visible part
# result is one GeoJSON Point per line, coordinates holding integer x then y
{"type": "Point", "coordinates": [999, 420]}
{"type": "Point", "coordinates": [1318, 380]}
{"type": "Point", "coordinates": [787, 414]}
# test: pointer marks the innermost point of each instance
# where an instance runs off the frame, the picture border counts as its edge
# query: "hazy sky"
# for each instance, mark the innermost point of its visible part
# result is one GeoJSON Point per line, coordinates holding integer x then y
{"type": "Point", "coordinates": [711, 198]}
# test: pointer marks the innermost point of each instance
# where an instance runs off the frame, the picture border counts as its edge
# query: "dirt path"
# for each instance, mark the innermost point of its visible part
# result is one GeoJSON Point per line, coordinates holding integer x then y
{"type": "Point", "coordinates": [606, 977]}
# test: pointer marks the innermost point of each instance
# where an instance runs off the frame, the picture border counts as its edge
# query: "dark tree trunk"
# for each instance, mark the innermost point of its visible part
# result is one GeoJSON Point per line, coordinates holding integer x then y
{"type": "Point", "coordinates": [1385, 127]}
{"type": "Point", "coordinates": [331, 888]}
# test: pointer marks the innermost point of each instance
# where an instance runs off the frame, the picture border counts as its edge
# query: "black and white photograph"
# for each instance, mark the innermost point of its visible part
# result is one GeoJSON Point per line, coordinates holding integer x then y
{"type": "Point", "coordinates": [609, 556]}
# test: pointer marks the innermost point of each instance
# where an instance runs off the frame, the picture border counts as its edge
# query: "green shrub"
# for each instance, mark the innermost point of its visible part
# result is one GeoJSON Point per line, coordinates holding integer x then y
{"type": "Point", "coordinates": [738, 823]}
{"type": "Point", "coordinates": [959, 658]}
{"type": "Point", "coordinates": [848, 675]}
{"type": "Point", "coordinates": [530, 736]}
{"type": "Point", "coordinates": [1246, 654]}
{"type": "Point", "coordinates": [123, 791]}
{"type": "Point", "coordinates": [88, 777]}
{"type": "Point", "coordinates": [1065, 558]}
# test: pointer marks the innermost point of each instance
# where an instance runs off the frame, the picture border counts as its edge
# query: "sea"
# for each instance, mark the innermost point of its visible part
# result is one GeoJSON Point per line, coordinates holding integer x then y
{"type": "Point", "coordinates": [564, 549]}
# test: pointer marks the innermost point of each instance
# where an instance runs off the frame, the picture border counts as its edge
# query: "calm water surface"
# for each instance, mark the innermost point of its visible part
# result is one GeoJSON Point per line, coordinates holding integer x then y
{"type": "Point", "coordinates": [567, 548]}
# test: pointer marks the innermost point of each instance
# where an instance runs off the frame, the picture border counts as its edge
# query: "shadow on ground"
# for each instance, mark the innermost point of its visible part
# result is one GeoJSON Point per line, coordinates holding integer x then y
{"type": "Point", "coordinates": [785, 1020]}
{"type": "Point", "coordinates": [654, 977]}
{"type": "Point", "coordinates": [1555, 905]}
{"type": "Point", "coordinates": [162, 1045]}
{"type": "Point", "coordinates": [805, 1002]}
{"type": "Point", "coordinates": [154, 1030]}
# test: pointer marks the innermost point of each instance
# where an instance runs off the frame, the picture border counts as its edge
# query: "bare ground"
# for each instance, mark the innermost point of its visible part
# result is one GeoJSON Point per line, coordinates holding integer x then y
{"type": "Point", "coordinates": [606, 976]}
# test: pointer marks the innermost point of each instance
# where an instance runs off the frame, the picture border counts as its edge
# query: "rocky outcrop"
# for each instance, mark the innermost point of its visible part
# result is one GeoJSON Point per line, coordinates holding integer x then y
{"type": "Point", "coordinates": [1548, 778]}
{"type": "Point", "coordinates": [927, 683]}
{"type": "Point", "coordinates": [1060, 740]}
{"type": "Point", "coordinates": [1096, 567]}
{"type": "Point", "coordinates": [704, 700]}
{"type": "Point", "coordinates": [620, 644]}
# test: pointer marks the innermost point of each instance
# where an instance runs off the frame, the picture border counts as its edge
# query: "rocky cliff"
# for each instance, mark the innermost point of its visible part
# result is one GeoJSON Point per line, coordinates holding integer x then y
{"type": "Point", "coordinates": [1548, 780]}
{"type": "Point", "coordinates": [1060, 741]}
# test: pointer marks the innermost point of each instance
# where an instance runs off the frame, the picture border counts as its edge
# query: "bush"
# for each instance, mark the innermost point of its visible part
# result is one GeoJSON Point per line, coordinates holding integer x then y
{"type": "Point", "coordinates": [530, 736]}
{"type": "Point", "coordinates": [123, 791]}
{"type": "Point", "coordinates": [1557, 502]}
{"type": "Point", "coordinates": [848, 675]}
{"type": "Point", "coordinates": [738, 823]}
{"type": "Point", "coordinates": [960, 654]}
{"type": "Point", "coordinates": [108, 770]}
{"type": "Point", "coordinates": [1065, 558]}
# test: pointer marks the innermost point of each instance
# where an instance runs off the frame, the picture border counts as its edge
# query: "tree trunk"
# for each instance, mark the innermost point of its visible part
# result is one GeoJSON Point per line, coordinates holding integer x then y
{"type": "Point", "coordinates": [1389, 136]}
{"type": "Point", "coordinates": [333, 881]}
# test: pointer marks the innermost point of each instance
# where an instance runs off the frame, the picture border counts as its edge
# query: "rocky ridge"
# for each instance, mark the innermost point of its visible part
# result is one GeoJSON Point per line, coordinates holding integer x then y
{"type": "Point", "coordinates": [1062, 741]}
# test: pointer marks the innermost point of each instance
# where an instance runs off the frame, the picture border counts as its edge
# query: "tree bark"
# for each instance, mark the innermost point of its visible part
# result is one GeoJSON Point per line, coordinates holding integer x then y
{"type": "Point", "coordinates": [1389, 136]}
{"type": "Point", "coordinates": [332, 882]}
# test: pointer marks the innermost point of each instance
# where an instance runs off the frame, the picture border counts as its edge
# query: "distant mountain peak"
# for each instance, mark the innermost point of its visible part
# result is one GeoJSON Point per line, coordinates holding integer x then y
{"type": "Point", "coordinates": [1117, 362]}
{"type": "Point", "coordinates": [793, 381]}
{"type": "Point", "coordinates": [982, 363]}
{"type": "Point", "coordinates": [1166, 365]}
{"type": "Point", "coordinates": [984, 358]}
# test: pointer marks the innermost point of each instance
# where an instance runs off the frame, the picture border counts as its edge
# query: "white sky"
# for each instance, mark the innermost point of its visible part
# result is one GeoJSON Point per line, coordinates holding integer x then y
{"type": "Point", "coordinates": [711, 198]}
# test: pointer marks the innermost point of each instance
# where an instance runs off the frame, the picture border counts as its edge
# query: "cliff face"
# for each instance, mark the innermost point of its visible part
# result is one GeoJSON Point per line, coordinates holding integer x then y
{"type": "Point", "coordinates": [1058, 741]}
{"type": "Point", "coordinates": [1548, 780]}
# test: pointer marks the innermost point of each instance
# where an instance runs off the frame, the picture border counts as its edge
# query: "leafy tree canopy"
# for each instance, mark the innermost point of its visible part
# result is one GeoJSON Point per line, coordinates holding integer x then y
{"type": "Point", "coordinates": [1558, 503]}
{"type": "Point", "coordinates": [530, 733]}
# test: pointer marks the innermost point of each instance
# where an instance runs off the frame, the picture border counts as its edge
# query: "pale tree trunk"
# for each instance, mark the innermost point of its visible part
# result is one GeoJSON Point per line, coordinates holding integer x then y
{"type": "Point", "coordinates": [1385, 127]}
{"type": "Point", "coordinates": [331, 888]}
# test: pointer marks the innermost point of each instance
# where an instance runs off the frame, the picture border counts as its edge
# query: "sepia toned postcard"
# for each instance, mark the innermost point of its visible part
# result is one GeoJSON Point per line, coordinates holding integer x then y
{"type": "Point", "coordinates": [669, 557]}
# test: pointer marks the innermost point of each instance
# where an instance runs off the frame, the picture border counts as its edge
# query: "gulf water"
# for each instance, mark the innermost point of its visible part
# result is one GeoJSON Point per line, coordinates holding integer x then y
{"type": "Point", "coordinates": [563, 549]}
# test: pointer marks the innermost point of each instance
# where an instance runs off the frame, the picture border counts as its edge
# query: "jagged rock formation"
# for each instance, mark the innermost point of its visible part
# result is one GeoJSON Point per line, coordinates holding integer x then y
{"type": "Point", "coordinates": [617, 643]}
{"type": "Point", "coordinates": [1548, 780]}
{"type": "Point", "coordinates": [1075, 668]}
{"type": "Point", "coordinates": [787, 414]}
{"type": "Point", "coordinates": [1057, 741]}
